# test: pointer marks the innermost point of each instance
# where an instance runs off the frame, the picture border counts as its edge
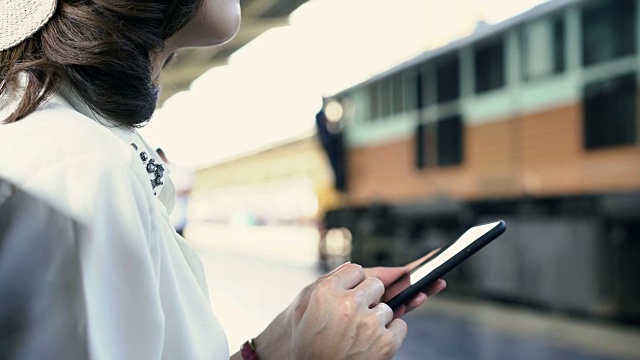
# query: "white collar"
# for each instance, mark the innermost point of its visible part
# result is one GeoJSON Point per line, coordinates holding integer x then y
{"type": "Point", "coordinates": [144, 152]}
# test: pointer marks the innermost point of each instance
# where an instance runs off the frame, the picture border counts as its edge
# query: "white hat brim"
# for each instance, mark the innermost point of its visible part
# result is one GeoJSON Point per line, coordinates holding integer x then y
{"type": "Point", "coordinates": [20, 19]}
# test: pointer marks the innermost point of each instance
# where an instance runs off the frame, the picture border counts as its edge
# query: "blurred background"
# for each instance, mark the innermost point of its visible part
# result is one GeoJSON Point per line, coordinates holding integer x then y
{"type": "Point", "coordinates": [376, 131]}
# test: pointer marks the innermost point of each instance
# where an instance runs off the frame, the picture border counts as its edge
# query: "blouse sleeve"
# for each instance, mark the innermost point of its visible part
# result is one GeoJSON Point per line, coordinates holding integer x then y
{"type": "Point", "coordinates": [77, 275]}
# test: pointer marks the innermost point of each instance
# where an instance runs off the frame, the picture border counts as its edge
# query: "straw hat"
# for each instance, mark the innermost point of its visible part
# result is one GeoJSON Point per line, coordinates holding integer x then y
{"type": "Point", "coordinates": [20, 19]}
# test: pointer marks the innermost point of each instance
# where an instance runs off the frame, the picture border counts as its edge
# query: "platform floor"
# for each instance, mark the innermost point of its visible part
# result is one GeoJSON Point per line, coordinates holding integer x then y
{"type": "Point", "coordinates": [254, 273]}
{"type": "Point", "coordinates": [450, 328]}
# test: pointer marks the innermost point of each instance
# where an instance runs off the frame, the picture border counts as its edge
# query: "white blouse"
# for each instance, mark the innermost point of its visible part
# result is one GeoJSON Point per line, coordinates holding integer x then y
{"type": "Point", "coordinates": [90, 266]}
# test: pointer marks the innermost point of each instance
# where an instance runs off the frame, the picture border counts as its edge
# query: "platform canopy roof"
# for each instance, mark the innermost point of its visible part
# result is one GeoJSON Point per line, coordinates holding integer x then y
{"type": "Point", "coordinates": [257, 17]}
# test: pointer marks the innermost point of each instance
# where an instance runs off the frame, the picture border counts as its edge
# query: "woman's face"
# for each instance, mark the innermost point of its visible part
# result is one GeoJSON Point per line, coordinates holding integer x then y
{"type": "Point", "coordinates": [215, 22]}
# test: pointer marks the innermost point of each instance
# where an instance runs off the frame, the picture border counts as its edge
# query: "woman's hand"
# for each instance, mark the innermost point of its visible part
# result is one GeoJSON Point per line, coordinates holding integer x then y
{"type": "Point", "coordinates": [276, 341]}
{"type": "Point", "coordinates": [395, 281]}
{"type": "Point", "coordinates": [344, 319]}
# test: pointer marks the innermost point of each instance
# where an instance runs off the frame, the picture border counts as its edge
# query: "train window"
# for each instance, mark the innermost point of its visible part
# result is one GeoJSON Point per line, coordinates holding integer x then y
{"type": "Point", "coordinates": [448, 80]}
{"type": "Point", "coordinates": [609, 30]}
{"type": "Point", "coordinates": [450, 140]}
{"type": "Point", "coordinates": [440, 143]}
{"type": "Point", "coordinates": [421, 160]}
{"type": "Point", "coordinates": [542, 50]}
{"type": "Point", "coordinates": [610, 112]}
{"type": "Point", "coordinates": [489, 66]}
{"type": "Point", "coordinates": [426, 145]}
{"type": "Point", "coordinates": [411, 91]}
{"type": "Point", "coordinates": [374, 101]}
{"type": "Point", "coordinates": [559, 41]}
{"type": "Point", "coordinates": [428, 86]}
{"type": "Point", "coordinates": [431, 145]}
{"type": "Point", "coordinates": [385, 97]}
{"type": "Point", "coordinates": [398, 93]}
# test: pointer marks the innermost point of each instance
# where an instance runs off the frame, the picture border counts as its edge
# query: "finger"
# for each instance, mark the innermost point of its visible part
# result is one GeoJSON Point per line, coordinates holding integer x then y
{"type": "Point", "coordinates": [395, 288]}
{"type": "Point", "coordinates": [436, 287]}
{"type": "Point", "coordinates": [397, 279]}
{"type": "Point", "coordinates": [388, 275]}
{"type": "Point", "coordinates": [372, 290]}
{"type": "Point", "coordinates": [412, 265]}
{"type": "Point", "coordinates": [400, 311]}
{"type": "Point", "coordinates": [383, 313]}
{"type": "Point", "coordinates": [417, 301]}
{"type": "Point", "coordinates": [348, 277]}
{"type": "Point", "coordinates": [398, 329]}
{"type": "Point", "coordinates": [326, 276]}
{"type": "Point", "coordinates": [421, 298]}
{"type": "Point", "coordinates": [337, 269]}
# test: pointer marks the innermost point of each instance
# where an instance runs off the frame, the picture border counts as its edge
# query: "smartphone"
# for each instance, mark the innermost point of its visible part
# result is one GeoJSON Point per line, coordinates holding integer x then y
{"type": "Point", "coordinates": [446, 259]}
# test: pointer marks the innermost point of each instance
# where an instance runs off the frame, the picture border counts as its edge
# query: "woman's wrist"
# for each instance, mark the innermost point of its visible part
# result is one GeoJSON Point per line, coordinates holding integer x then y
{"type": "Point", "coordinates": [275, 341]}
{"type": "Point", "coordinates": [248, 351]}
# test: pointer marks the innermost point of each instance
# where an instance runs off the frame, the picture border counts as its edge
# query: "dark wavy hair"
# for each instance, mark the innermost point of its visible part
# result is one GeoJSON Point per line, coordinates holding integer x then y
{"type": "Point", "coordinates": [104, 50]}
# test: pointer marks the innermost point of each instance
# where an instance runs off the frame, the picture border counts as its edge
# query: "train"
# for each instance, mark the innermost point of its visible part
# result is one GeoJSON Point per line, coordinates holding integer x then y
{"type": "Point", "coordinates": [533, 120]}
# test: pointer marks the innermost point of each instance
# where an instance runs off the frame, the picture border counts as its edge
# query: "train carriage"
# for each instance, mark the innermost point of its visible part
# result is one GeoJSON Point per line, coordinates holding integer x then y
{"type": "Point", "coordinates": [534, 120]}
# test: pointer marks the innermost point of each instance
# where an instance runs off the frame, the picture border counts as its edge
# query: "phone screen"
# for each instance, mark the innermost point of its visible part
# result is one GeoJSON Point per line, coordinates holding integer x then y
{"type": "Point", "coordinates": [445, 260]}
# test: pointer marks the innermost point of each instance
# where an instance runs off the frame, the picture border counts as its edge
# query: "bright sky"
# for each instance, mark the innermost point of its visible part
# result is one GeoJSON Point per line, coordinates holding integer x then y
{"type": "Point", "coordinates": [272, 88]}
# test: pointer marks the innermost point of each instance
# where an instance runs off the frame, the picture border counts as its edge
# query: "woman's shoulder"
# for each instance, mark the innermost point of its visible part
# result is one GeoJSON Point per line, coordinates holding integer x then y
{"type": "Point", "coordinates": [57, 152]}
{"type": "Point", "coordinates": [56, 129]}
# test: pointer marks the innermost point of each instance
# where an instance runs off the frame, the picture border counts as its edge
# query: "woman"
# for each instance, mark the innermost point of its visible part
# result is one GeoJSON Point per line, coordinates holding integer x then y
{"type": "Point", "coordinates": [90, 266]}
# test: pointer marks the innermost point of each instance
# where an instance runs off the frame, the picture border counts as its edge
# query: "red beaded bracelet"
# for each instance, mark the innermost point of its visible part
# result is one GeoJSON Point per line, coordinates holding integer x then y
{"type": "Point", "coordinates": [248, 351]}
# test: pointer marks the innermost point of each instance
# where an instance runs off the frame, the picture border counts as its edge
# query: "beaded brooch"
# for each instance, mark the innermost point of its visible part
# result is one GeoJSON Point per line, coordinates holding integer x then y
{"type": "Point", "coordinates": [157, 170]}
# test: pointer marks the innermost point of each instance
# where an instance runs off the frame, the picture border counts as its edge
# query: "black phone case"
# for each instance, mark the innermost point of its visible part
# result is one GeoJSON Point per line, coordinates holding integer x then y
{"type": "Point", "coordinates": [413, 290]}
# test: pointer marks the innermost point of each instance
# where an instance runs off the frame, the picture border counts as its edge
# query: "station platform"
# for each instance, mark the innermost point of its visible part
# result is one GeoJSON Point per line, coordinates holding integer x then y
{"type": "Point", "coordinates": [254, 273]}
{"type": "Point", "coordinates": [453, 328]}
